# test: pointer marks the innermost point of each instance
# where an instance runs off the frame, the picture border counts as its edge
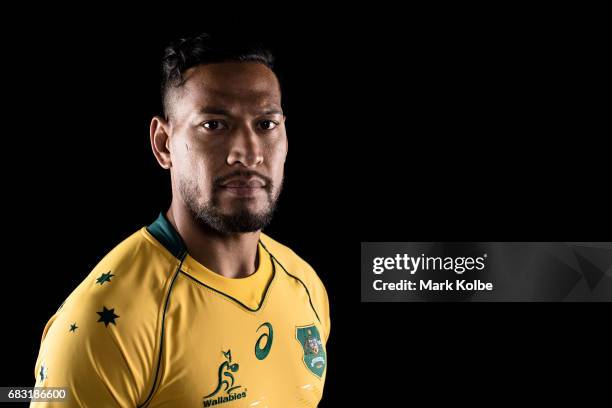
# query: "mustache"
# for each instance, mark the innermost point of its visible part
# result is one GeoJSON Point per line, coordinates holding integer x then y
{"type": "Point", "coordinates": [220, 180]}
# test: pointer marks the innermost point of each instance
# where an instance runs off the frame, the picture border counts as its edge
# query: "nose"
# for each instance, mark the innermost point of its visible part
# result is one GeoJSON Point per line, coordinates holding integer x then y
{"type": "Point", "coordinates": [245, 148]}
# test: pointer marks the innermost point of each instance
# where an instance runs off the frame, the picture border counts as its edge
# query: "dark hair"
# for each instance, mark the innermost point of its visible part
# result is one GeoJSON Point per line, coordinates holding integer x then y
{"type": "Point", "coordinates": [204, 48]}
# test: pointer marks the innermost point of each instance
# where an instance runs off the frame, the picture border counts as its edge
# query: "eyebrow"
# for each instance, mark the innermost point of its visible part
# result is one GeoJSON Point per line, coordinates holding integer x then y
{"type": "Point", "coordinates": [272, 112]}
{"type": "Point", "coordinates": [215, 111]}
{"type": "Point", "coordinates": [220, 111]}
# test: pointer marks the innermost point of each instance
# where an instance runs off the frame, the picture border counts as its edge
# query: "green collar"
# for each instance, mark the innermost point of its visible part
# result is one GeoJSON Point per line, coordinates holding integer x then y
{"type": "Point", "coordinates": [164, 232]}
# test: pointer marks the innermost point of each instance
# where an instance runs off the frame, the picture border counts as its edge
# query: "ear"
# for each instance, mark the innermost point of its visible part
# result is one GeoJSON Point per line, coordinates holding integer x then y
{"type": "Point", "coordinates": [286, 138]}
{"type": "Point", "coordinates": [159, 133]}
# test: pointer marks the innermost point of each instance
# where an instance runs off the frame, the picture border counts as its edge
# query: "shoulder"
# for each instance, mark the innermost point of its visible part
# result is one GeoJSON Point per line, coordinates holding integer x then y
{"type": "Point", "coordinates": [133, 273]}
{"type": "Point", "coordinates": [112, 319]}
{"type": "Point", "coordinates": [300, 269]}
{"type": "Point", "coordinates": [292, 262]}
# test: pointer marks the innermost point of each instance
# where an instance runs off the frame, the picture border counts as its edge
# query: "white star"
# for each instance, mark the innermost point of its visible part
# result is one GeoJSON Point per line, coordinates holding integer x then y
{"type": "Point", "coordinates": [42, 374]}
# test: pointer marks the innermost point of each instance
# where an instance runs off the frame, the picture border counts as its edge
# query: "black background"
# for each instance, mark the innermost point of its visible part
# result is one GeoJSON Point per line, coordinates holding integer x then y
{"type": "Point", "coordinates": [410, 132]}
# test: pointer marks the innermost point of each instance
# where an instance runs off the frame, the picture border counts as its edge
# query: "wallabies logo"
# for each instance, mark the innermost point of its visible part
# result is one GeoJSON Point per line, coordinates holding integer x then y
{"type": "Point", "coordinates": [314, 357]}
{"type": "Point", "coordinates": [225, 384]}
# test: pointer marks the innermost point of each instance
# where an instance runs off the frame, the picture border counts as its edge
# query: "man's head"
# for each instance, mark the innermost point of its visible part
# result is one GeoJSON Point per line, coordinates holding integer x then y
{"type": "Point", "coordinates": [223, 132]}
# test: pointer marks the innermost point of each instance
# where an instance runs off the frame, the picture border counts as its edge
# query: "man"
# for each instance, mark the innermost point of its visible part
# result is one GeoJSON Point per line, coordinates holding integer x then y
{"type": "Point", "coordinates": [200, 308]}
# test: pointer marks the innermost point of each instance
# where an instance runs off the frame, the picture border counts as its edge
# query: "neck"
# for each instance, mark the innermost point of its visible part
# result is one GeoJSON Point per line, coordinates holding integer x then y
{"type": "Point", "coordinates": [229, 255]}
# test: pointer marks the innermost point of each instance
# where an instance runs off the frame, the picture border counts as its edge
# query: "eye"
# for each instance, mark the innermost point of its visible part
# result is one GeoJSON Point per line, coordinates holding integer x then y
{"type": "Point", "coordinates": [214, 125]}
{"type": "Point", "coordinates": [268, 124]}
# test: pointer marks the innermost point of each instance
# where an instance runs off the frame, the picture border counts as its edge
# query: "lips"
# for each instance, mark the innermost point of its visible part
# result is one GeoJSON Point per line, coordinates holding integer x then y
{"type": "Point", "coordinates": [242, 187]}
{"type": "Point", "coordinates": [244, 183]}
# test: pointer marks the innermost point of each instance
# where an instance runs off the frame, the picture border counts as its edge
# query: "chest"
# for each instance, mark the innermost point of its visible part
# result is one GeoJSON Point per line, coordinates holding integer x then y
{"type": "Point", "coordinates": [219, 351]}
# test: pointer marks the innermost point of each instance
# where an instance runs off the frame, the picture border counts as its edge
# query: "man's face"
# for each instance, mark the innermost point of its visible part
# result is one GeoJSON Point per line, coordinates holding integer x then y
{"type": "Point", "coordinates": [228, 144]}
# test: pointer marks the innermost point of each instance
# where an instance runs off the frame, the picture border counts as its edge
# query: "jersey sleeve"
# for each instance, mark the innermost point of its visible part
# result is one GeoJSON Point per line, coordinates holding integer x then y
{"type": "Point", "coordinates": [320, 300]}
{"type": "Point", "coordinates": [308, 276]}
{"type": "Point", "coordinates": [101, 346]}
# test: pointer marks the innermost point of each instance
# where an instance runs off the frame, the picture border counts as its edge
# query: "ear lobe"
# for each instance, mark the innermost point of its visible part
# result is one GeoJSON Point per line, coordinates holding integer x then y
{"type": "Point", "coordinates": [159, 137]}
{"type": "Point", "coordinates": [286, 138]}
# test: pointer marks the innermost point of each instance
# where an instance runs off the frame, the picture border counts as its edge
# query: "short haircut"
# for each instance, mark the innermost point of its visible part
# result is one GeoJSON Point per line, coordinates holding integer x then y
{"type": "Point", "coordinates": [204, 48]}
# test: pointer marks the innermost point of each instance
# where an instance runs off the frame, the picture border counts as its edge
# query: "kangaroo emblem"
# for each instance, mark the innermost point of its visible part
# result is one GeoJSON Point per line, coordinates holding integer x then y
{"type": "Point", "coordinates": [225, 370]}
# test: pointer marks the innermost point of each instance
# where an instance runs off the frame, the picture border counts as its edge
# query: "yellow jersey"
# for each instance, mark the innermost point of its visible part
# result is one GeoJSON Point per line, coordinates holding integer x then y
{"type": "Point", "coordinates": [152, 327]}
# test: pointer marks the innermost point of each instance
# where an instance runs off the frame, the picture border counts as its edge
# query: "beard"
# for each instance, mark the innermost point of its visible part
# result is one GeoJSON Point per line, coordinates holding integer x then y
{"type": "Point", "coordinates": [240, 220]}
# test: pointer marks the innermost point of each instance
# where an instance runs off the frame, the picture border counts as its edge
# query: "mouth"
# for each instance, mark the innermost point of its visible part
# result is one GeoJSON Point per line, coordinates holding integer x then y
{"type": "Point", "coordinates": [241, 187]}
{"type": "Point", "coordinates": [242, 182]}
{"type": "Point", "coordinates": [243, 191]}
